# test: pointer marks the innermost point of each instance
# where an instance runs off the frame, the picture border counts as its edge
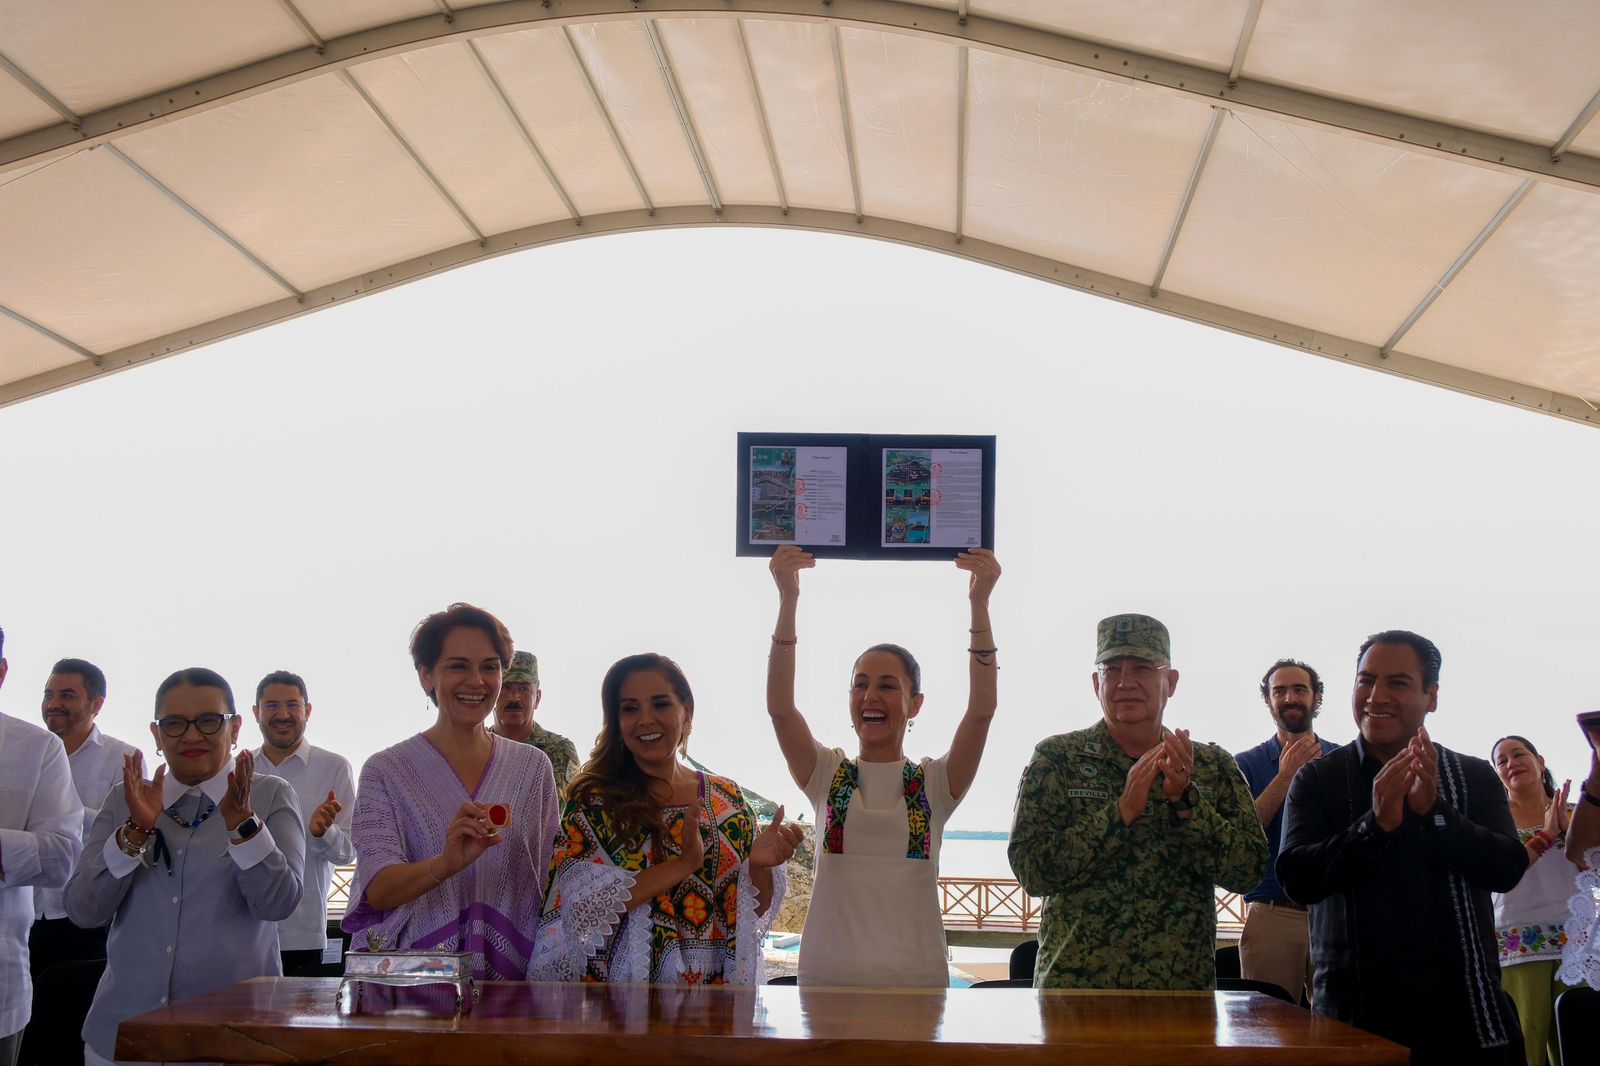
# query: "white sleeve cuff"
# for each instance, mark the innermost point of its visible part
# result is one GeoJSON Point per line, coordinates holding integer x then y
{"type": "Point", "coordinates": [255, 849]}
{"type": "Point", "coordinates": [119, 864]}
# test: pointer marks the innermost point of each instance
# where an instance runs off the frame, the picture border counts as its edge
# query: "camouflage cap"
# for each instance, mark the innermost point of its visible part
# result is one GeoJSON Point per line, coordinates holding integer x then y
{"type": "Point", "coordinates": [524, 670]}
{"type": "Point", "coordinates": [1135, 635]}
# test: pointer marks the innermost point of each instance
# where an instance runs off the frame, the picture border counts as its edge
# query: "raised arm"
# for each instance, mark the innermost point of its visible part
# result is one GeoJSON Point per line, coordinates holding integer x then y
{"type": "Point", "coordinates": [794, 736]}
{"type": "Point", "coordinates": [966, 749]}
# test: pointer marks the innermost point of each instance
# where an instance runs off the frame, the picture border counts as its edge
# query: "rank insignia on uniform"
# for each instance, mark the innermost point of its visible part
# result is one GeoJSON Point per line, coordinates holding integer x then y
{"type": "Point", "coordinates": [1092, 747]}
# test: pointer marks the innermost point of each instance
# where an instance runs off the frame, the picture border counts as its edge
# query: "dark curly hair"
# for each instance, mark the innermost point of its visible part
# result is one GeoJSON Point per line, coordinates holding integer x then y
{"type": "Point", "coordinates": [1316, 680]}
{"type": "Point", "coordinates": [612, 779]}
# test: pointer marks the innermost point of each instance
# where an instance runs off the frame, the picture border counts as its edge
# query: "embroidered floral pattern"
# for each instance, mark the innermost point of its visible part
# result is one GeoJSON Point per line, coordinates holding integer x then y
{"type": "Point", "coordinates": [1529, 943]}
{"type": "Point", "coordinates": [691, 934]}
{"type": "Point", "coordinates": [919, 814]}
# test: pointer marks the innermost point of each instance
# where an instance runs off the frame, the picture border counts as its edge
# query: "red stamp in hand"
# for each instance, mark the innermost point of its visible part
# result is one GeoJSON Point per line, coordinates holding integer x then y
{"type": "Point", "coordinates": [499, 816]}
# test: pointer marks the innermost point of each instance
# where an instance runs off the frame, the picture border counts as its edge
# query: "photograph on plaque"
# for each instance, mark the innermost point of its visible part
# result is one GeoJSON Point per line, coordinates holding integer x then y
{"type": "Point", "coordinates": [865, 496]}
{"type": "Point", "coordinates": [797, 494]}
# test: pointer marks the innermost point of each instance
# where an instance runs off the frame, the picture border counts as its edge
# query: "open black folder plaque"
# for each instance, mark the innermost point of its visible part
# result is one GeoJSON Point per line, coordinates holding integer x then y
{"type": "Point", "coordinates": [865, 496]}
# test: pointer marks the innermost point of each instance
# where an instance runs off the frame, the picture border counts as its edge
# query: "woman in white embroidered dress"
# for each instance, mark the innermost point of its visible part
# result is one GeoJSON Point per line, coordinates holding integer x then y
{"type": "Point", "coordinates": [1529, 921]}
{"type": "Point", "coordinates": [660, 874]}
{"type": "Point", "coordinates": [874, 917]}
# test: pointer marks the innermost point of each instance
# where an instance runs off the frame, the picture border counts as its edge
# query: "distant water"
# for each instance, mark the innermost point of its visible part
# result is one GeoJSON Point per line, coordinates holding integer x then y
{"type": "Point", "coordinates": [974, 858]}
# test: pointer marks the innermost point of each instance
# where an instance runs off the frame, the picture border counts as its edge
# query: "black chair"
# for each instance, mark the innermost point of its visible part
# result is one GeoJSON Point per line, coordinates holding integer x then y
{"type": "Point", "coordinates": [1578, 1024]}
{"type": "Point", "coordinates": [1228, 962]}
{"type": "Point", "coordinates": [786, 979]}
{"type": "Point", "coordinates": [1010, 982]}
{"type": "Point", "coordinates": [65, 991]}
{"type": "Point", "coordinates": [1023, 959]}
{"type": "Point", "coordinates": [1245, 984]}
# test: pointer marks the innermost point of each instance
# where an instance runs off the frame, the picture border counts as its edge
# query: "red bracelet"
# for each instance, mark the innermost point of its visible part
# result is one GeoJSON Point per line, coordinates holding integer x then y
{"type": "Point", "coordinates": [1544, 839]}
{"type": "Point", "coordinates": [131, 824]}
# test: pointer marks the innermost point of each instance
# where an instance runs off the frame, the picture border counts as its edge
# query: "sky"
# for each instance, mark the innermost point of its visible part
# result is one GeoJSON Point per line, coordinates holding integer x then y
{"type": "Point", "coordinates": [551, 435]}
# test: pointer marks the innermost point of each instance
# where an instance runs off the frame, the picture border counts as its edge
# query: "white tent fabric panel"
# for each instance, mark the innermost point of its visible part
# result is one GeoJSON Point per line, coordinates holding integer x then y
{"type": "Point", "coordinates": [1414, 187]}
{"type": "Point", "coordinates": [30, 352]}
{"type": "Point", "coordinates": [1526, 305]}
{"type": "Point", "coordinates": [1525, 70]}
{"type": "Point", "coordinates": [98, 237]}
{"type": "Point", "coordinates": [794, 66]}
{"type": "Point", "coordinates": [1077, 169]}
{"type": "Point", "coordinates": [21, 110]}
{"type": "Point", "coordinates": [451, 115]}
{"type": "Point", "coordinates": [708, 58]}
{"type": "Point", "coordinates": [1344, 236]}
{"type": "Point", "coordinates": [904, 100]}
{"type": "Point", "coordinates": [625, 72]}
{"type": "Point", "coordinates": [90, 54]}
{"type": "Point", "coordinates": [1588, 142]}
{"type": "Point", "coordinates": [317, 200]}
{"type": "Point", "coordinates": [335, 18]}
{"type": "Point", "coordinates": [539, 72]}
{"type": "Point", "coordinates": [1196, 31]}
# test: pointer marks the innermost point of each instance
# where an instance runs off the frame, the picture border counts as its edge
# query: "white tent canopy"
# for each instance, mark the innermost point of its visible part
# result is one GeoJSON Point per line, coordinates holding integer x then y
{"type": "Point", "coordinates": [1410, 187]}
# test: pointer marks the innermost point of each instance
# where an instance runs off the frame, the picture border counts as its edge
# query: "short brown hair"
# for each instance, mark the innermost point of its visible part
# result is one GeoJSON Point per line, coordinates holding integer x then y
{"type": "Point", "coordinates": [427, 640]}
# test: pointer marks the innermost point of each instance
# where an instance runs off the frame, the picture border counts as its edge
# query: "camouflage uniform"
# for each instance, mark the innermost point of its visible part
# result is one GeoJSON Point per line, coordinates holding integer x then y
{"type": "Point", "coordinates": [1129, 906]}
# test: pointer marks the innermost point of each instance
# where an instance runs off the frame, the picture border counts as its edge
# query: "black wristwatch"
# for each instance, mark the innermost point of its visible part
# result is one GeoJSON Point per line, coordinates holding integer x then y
{"type": "Point", "coordinates": [247, 829]}
{"type": "Point", "coordinates": [1185, 802]}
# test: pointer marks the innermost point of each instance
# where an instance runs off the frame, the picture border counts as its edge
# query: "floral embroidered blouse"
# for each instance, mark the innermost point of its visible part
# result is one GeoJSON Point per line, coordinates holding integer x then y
{"type": "Point", "coordinates": [1530, 920]}
{"type": "Point", "coordinates": [704, 931]}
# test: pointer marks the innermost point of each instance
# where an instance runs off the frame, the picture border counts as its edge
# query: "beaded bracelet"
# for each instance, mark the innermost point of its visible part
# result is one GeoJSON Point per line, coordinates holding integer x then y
{"type": "Point", "coordinates": [780, 642]}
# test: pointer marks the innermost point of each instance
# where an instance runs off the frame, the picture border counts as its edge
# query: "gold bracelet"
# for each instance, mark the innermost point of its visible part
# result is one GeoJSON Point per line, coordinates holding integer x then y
{"type": "Point", "coordinates": [429, 867]}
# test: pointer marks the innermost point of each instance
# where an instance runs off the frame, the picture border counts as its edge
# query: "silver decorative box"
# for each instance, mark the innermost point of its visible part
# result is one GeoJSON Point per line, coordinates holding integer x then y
{"type": "Point", "coordinates": [410, 969]}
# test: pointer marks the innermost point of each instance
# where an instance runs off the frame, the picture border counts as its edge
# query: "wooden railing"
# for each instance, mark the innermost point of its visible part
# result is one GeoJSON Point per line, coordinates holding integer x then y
{"type": "Point", "coordinates": [979, 903]}
{"type": "Point", "coordinates": [999, 905]}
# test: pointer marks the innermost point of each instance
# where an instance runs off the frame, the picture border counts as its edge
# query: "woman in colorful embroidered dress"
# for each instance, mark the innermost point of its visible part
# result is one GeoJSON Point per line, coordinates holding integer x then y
{"type": "Point", "coordinates": [1529, 921]}
{"type": "Point", "coordinates": [660, 874]}
{"type": "Point", "coordinates": [874, 918]}
{"type": "Point", "coordinates": [432, 872]}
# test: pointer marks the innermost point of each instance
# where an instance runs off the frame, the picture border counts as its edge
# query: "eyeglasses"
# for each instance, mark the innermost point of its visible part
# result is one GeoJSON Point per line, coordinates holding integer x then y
{"type": "Point", "coordinates": [1138, 670]}
{"type": "Point", "coordinates": [207, 724]}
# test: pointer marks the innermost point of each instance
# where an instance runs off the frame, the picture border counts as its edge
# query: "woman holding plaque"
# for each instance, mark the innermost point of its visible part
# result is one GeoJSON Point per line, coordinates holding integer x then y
{"type": "Point", "coordinates": [874, 917]}
{"type": "Point", "coordinates": [453, 827]}
{"type": "Point", "coordinates": [660, 874]}
{"type": "Point", "coordinates": [192, 870]}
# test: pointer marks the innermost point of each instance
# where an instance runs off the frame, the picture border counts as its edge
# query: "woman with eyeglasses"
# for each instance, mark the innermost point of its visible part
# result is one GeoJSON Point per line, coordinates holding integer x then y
{"type": "Point", "coordinates": [453, 827]}
{"type": "Point", "coordinates": [1529, 921]}
{"type": "Point", "coordinates": [192, 869]}
{"type": "Point", "coordinates": [874, 918]}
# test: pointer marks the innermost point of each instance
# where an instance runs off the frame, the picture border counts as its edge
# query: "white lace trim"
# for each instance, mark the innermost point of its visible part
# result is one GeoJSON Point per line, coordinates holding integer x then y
{"type": "Point", "coordinates": [1580, 962]}
{"type": "Point", "coordinates": [749, 954]}
{"type": "Point", "coordinates": [594, 901]}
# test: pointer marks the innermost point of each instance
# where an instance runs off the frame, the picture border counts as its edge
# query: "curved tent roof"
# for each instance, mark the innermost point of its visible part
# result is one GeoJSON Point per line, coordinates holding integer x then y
{"type": "Point", "coordinates": [1410, 187]}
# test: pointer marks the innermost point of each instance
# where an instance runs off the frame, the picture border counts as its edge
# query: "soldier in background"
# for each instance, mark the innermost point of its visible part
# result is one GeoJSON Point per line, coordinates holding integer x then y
{"type": "Point", "coordinates": [513, 717]}
{"type": "Point", "coordinates": [1123, 828]}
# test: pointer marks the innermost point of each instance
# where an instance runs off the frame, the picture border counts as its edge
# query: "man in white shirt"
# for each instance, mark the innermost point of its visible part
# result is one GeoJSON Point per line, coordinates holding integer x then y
{"type": "Point", "coordinates": [41, 835]}
{"type": "Point", "coordinates": [327, 792]}
{"type": "Point", "coordinates": [72, 700]}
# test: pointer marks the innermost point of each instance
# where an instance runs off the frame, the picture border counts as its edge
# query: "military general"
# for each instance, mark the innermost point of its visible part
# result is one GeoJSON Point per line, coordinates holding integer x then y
{"type": "Point", "coordinates": [1123, 828]}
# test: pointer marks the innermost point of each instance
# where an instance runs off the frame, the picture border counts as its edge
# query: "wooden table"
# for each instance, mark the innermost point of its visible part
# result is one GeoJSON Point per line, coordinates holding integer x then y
{"type": "Point", "coordinates": [283, 1020]}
